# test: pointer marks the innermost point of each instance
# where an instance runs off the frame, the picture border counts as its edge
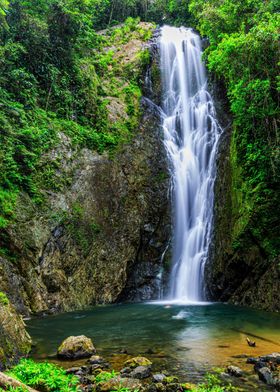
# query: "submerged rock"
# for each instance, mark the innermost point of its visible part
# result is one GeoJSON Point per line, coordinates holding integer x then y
{"type": "Point", "coordinates": [117, 383]}
{"type": "Point", "coordinates": [76, 347]}
{"type": "Point", "coordinates": [137, 361]}
{"type": "Point", "coordinates": [96, 360]}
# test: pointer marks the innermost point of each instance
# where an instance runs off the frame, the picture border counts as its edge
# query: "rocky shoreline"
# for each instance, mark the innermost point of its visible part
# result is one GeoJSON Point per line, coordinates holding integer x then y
{"type": "Point", "coordinates": [139, 374]}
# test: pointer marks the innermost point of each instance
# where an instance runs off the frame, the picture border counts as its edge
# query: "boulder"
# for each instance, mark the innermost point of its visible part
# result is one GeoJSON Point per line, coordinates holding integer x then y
{"type": "Point", "coordinates": [137, 361]}
{"type": "Point", "coordinates": [159, 377]}
{"type": "Point", "coordinates": [265, 374]}
{"type": "Point", "coordinates": [234, 371]}
{"type": "Point", "coordinates": [140, 372]}
{"type": "Point", "coordinates": [274, 357]}
{"type": "Point", "coordinates": [76, 347]}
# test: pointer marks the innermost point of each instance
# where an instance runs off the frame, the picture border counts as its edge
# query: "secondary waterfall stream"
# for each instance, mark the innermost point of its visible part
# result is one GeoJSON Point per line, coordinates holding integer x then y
{"type": "Point", "coordinates": [191, 134]}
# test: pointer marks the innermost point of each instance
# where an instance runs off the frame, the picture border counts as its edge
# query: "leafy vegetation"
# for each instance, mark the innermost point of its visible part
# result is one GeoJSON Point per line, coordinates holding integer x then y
{"type": "Point", "coordinates": [57, 77]}
{"type": "Point", "coordinates": [244, 53]}
{"type": "Point", "coordinates": [44, 376]}
{"type": "Point", "coordinates": [105, 376]}
{"type": "Point", "coordinates": [3, 299]}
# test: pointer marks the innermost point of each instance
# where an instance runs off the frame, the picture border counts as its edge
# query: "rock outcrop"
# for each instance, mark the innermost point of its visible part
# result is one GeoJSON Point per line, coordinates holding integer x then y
{"type": "Point", "coordinates": [14, 340]}
{"type": "Point", "coordinates": [240, 269]}
{"type": "Point", "coordinates": [110, 218]}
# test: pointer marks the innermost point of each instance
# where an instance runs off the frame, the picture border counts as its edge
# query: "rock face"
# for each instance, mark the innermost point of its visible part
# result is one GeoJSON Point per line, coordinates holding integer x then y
{"type": "Point", "coordinates": [76, 347]}
{"type": "Point", "coordinates": [14, 340]}
{"type": "Point", "coordinates": [88, 241]}
{"type": "Point", "coordinates": [240, 269]}
{"type": "Point", "coordinates": [267, 368]}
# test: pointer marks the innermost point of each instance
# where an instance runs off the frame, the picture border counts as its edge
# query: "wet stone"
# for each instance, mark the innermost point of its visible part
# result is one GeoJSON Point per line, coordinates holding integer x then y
{"type": "Point", "coordinates": [73, 370]}
{"type": "Point", "coordinates": [138, 361]}
{"type": "Point", "coordinates": [265, 374]}
{"type": "Point", "coordinates": [259, 365]}
{"type": "Point", "coordinates": [252, 360]}
{"type": "Point", "coordinates": [234, 371]}
{"type": "Point", "coordinates": [76, 347]}
{"type": "Point", "coordinates": [274, 357]}
{"type": "Point", "coordinates": [158, 377]}
{"type": "Point", "coordinates": [140, 372]}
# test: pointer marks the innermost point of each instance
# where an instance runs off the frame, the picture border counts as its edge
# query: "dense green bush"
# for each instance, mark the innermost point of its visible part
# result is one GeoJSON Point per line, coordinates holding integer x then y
{"type": "Point", "coordinates": [44, 376]}
{"type": "Point", "coordinates": [243, 51]}
{"type": "Point", "coordinates": [53, 72]}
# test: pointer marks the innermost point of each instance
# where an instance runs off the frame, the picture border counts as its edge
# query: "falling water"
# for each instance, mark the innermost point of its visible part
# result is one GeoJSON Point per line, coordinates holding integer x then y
{"type": "Point", "coordinates": [191, 134]}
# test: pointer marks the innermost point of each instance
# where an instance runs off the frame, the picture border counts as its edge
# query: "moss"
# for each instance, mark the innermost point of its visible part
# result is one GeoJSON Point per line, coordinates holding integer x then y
{"type": "Point", "coordinates": [138, 361]}
{"type": "Point", "coordinates": [3, 299]}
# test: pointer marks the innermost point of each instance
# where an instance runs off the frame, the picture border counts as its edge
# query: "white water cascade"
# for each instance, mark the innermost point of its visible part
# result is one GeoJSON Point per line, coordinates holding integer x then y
{"type": "Point", "coordinates": [191, 134]}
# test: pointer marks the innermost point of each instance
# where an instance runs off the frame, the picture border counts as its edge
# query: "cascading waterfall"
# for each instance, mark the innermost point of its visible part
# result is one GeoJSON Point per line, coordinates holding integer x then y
{"type": "Point", "coordinates": [191, 134]}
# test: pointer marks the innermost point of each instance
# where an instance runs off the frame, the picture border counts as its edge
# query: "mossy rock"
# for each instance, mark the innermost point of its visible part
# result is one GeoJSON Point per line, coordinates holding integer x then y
{"type": "Point", "coordinates": [170, 380]}
{"type": "Point", "coordinates": [117, 383]}
{"type": "Point", "coordinates": [76, 347]}
{"type": "Point", "coordinates": [137, 361]}
{"type": "Point", "coordinates": [15, 342]}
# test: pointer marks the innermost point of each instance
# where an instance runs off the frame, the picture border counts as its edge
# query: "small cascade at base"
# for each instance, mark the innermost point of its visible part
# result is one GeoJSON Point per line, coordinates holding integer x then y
{"type": "Point", "coordinates": [191, 135]}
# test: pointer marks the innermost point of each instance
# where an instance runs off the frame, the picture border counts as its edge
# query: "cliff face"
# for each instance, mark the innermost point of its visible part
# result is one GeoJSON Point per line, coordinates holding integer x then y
{"type": "Point", "coordinates": [111, 216]}
{"type": "Point", "coordinates": [241, 269]}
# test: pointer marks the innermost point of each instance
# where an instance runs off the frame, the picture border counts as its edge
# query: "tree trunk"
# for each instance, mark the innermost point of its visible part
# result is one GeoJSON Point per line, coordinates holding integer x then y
{"type": "Point", "coordinates": [7, 381]}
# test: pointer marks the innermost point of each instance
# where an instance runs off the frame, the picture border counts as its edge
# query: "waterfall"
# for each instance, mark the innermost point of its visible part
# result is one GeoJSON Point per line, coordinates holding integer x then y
{"type": "Point", "coordinates": [191, 134]}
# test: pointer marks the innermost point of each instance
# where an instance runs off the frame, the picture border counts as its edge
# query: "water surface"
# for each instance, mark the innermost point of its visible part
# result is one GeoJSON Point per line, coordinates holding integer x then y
{"type": "Point", "coordinates": [187, 340]}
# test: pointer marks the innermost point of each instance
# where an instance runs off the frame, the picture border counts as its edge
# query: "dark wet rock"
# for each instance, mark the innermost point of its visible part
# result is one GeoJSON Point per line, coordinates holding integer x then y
{"type": "Point", "coordinates": [274, 357]}
{"type": "Point", "coordinates": [140, 372]}
{"type": "Point", "coordinates": [95, 369]}
{"type": "Point", "coordinates": [137, 361]}
{"type": "Point", "coordinates": [259, 365]}
{"type": "Point", "coordinates": [234, 371]}
{"type": "Point", "coordinates": [159, 377]}
{"type": "Point", "coordinates": [265, 374]}
{"type": "Point", "coordinates": [252, 360]}
{"type": "Point", "coordinates": [125, 370]}
{"type": "Point", "coordinates": [240, 356]}
{"type": "Point", "coordinates": [73, 370]}
{"type": "Point", "coordinates": [76, 347]}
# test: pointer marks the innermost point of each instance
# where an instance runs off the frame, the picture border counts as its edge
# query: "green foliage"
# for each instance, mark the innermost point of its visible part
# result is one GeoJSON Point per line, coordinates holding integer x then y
{"type": "Point", "coordinates": [3, 299]}
{"type": "Point", "coordinates": [243, 51]}
{"type": "Point", "coordinates": [55, 76]}
{"type": "Point", "coordinates": [213, 384]}
{"type": "Point", "coordinates": [105, 376]}
{"type": "Point", "coordinates": [44, 376]}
